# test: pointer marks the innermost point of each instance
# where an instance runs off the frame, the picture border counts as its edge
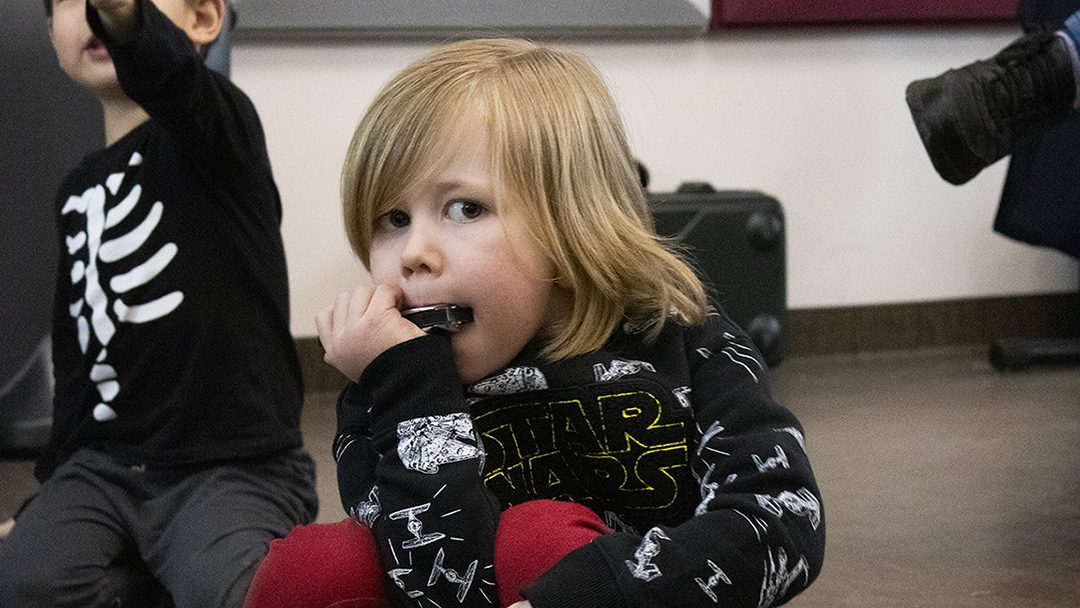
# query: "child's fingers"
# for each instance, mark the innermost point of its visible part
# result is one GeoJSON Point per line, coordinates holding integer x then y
{"type": "Point", "coordinates": [343, 313]}
{"type": "Point", "coordinates": [324, 325]}
{"type": "Point", "coordinates": [359, 300]}
{"type": "Point", "coordinates": [384, 298]}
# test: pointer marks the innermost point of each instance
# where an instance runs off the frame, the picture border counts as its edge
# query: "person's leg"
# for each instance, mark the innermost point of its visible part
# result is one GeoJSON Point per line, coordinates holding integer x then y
{"type": "Point", "coordinates": [205, 531]}
{"type": "Point", "coordinates": [321, 566]}
{"type": "Point", "coordinates": [1070, 35]}
{"type": "Point", "coordinates": [337, 565]}
{"type": "Point", "coordinates": [533, 536]}
{"type": "Point", "coordinates": [70, 545]}
{"type": "Point", "coordinates": [970, 117]}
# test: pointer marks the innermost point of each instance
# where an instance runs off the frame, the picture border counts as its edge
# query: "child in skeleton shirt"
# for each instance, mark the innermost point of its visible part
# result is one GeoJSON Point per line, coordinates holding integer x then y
{"type": "Point", "coordinates": [597, 435]}
{"type": "Point", "coordinates": [176, 453]}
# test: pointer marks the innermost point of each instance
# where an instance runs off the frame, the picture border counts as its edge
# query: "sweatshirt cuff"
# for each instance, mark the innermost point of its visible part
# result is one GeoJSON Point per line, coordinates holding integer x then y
{"type": "Point", "coordinates": [414, 379]}
{"type": "Point", "coordinates": [93, 18]}
{"type": "Point", "coordinates": [148, 60]}
{"type": "Point", "coordinates": [582, 578]}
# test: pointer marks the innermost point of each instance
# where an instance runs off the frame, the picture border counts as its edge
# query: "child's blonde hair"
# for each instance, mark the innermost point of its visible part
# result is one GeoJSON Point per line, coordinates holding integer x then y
{"type": "Point", "coordinates": [557, 145]}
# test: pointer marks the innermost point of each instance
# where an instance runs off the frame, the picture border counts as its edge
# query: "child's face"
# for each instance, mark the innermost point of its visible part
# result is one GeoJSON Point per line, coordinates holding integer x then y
{"type": "Point", "coordinates": [452, 240]}
{"type": "Point", "coordinates": [83, 57]}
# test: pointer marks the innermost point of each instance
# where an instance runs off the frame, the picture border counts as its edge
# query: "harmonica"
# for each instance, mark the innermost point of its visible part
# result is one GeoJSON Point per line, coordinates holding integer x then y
{"type": "Point", "coordinates": [439, 318]}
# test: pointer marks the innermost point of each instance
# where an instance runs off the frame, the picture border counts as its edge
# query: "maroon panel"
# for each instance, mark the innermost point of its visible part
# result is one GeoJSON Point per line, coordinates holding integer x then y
{"type": "Point", "coordinates": [793, 12]}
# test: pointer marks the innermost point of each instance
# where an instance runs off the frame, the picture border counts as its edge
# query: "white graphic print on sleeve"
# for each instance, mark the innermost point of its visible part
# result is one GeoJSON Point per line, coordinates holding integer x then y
{"type": "Point", "coordinates": [416, 527]}
{"type": "Point", "coordinates": [396, 575]}
{"type": "Point", "coordinates": [708, 490]}
{"type": "Point", "coordinates": [739, 354]}
{"type": "Point", "coordinates": [760, 526]}
{"type": "Point", "coordinates": [463, 581]}
{"type": "Point", "coordinates": [717, 577]}
{"type": "Point", "coordinates": [618, 524]}
{"type": "Point", "coordinates": [743, 355]}
{"type": "Point", "coordinates": [619, 368]}
{"type": "Point", "coordinates": [512, 381]}
{"type": "Point", "coordinates": [367, 511]}
{"type": "Point", "coordinates": [778, 578]}
{"type": "Point", "coordinates": [778, 461]}
{"type": "Point", "coordinates": [802, 503]}
{"type": "Point", "coordinates": [426, 443]}
{"type": "Point", "coordinates": [683, 395]}
{"type": "Point", "coordinates": [404, 565]}
{"type": "Point", "coordinates": [649, 548]}
{"type": "Point", "coordinates": [98, 249]}
{"type": "Point", "coordinates": [796, 433]}
{"type": "Point", "coordinates": [707, 436]}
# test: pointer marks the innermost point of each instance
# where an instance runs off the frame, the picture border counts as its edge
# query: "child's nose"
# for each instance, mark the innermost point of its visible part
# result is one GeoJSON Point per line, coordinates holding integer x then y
{"type": "Point", "coordinates": [422, 252]}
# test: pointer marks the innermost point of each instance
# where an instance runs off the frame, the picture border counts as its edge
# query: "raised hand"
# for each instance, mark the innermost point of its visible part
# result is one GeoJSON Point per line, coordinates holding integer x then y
{"type": "Point", "coordinates": [120, 17]}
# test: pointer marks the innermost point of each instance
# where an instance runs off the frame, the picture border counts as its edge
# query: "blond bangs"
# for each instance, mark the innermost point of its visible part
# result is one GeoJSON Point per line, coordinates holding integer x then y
{"type": "Point", "coordinates": [396, 143]}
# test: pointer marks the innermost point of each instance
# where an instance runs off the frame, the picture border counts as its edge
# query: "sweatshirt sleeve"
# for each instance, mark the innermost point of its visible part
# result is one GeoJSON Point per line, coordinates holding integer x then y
{"type": "Point", "coordinates": [160, 69]}
{"type": "Point", "coordinates": [410, 467]}
{"type": "Point", "coordinates": [757, 537]}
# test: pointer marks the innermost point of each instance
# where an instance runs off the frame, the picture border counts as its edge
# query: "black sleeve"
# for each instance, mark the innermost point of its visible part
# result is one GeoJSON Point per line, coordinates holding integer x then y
{"type": "Point", "coordinates": [757, 537]}
{"type": "Point", "coordinates": [355, 456]}
{"type": "Point", "coordinates": [209, 117]}
{"type": "Point", "coordinates": [410, 467]}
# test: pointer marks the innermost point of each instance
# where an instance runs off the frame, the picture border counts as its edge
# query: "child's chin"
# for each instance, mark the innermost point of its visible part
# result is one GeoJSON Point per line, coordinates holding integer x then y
{"type": "Point", "coordinates": [472, 371]}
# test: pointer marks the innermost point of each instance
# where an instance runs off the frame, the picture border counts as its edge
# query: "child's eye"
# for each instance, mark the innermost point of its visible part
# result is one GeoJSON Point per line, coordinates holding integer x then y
{"type": "Point", "coordinates": [465, 211]}
{"type": "Point", "coordinates": [393, 219]}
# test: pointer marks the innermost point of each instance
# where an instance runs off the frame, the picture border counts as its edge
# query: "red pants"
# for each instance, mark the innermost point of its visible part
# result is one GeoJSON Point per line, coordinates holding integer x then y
{"type": "Point", "coordinates": [337, 565]}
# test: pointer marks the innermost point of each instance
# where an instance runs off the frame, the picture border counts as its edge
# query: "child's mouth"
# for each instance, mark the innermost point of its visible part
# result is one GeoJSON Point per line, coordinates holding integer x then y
{"type": "Point", "coordinates": [97, 50]}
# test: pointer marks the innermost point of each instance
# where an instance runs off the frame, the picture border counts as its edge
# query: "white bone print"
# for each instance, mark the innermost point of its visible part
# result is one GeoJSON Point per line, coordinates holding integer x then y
{"type": "Point", "coordinates": [97, 249]}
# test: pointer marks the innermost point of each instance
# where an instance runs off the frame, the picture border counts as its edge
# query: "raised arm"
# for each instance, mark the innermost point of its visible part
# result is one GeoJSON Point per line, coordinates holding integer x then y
{"type": "Point", "coordinates": [409, 467]}
{"type": "Point", "coordinates": [409, 459]}
{"type": "Point", "coordinates": [159, 66]}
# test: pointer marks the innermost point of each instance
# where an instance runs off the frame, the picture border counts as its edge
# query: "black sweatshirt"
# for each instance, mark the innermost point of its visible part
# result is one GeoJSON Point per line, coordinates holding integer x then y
{"type": "Point", "coordinates": [677, 445]}
{"type": "Point", "coordinates": [171, 338]}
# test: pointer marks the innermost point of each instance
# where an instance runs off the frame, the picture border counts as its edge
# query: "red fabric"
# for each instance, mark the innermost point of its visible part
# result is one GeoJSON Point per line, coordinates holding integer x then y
{"type": "Point", "coordinates": [533, 536]}
{"type": "Point", "coordinates": [337, 566]}
{"type": "Point", "coordinates": [320, 566]}
{"type": "Point", "coordinates": [747, 12]}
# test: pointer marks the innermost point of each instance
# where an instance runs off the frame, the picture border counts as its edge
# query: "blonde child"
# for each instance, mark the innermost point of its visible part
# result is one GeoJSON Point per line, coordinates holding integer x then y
{"type": "Point", "coordinates": [597, 435]}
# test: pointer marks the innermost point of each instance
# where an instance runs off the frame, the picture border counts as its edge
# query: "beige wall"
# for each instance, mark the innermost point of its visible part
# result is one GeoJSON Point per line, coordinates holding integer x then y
{"type": "Point", "coordinates": [814, 117]}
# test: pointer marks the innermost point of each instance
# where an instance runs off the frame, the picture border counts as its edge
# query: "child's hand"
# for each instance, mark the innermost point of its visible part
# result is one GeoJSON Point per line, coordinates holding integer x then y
{"type": "Point", "coordinates": [118, 16]}
{"type": "Point", "coordinates": [521, 604]}
{"type": "Point", "coordinates": [360, 325]}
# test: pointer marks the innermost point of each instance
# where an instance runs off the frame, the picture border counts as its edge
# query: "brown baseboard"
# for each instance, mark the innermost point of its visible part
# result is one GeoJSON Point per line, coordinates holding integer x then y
{"type": "Point", "coordinates": [917, 325]}
{"type": "Point", "coordinates": [318, 375]}
{"type": "Point", "coordinates": [821, 331]}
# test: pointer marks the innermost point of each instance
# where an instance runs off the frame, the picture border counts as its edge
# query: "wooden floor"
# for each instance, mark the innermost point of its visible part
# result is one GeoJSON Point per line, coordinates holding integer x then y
{"type": "Point", "coordinates": [946, 484]}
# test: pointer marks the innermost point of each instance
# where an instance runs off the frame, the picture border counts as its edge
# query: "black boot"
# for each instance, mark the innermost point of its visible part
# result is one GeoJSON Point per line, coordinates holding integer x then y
{"type": "Point", "coordinates": [968, 118]}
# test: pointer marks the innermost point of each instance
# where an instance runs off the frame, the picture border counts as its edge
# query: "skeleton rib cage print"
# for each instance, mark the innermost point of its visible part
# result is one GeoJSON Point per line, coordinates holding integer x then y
{"type": "Point", "coordinates": [101, 305]}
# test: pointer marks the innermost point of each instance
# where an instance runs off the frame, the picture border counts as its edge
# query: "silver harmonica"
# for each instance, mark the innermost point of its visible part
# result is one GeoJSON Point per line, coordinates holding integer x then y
{"type": "Point", "coordinates": [440, 318]}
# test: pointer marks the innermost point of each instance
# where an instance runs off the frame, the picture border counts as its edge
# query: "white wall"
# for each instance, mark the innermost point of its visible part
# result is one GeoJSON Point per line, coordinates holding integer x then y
{"type": "Point", "coordinates": [814, 117]}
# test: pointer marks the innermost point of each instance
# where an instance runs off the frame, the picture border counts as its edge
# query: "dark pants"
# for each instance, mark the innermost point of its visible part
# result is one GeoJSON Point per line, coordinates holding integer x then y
{"type": "Point", "coordinates": [102, 533]}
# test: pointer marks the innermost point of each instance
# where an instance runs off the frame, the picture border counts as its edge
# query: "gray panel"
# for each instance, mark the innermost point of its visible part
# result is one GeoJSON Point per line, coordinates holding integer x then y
{"type": "Point", "coordinates": [48, 124]}
{"type": "Point", "coordinates": [441, 18]}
